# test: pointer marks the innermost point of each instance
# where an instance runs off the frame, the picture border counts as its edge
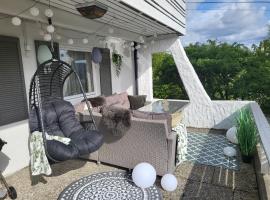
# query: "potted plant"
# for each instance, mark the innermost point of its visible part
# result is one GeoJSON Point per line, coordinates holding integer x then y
{"type": "Point", "coordinates": [246, 134]}
{"type": "Point", "coordinates": [117, 62]}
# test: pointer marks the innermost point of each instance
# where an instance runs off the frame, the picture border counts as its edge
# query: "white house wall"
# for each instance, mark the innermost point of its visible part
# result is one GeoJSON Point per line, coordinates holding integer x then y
{"type": "Point", "coordinates": [16, 134]}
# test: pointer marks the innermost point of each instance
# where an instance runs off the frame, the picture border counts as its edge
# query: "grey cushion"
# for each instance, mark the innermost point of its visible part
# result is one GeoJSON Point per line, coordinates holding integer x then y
{"type": "Point", "coordinates": [97, 101]}
{"type": "Point", "coordinates": [154, 116]}
{"type": "Point", "coordinates": [137, 101]}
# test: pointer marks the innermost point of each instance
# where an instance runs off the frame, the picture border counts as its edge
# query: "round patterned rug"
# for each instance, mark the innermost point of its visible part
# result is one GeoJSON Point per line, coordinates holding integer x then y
{"type": "Point", "coordinates": [108, 186]}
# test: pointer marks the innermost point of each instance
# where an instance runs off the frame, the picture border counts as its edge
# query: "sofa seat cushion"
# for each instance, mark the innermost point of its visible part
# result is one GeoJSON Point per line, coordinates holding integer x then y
{"type": "Point", "coordinates": [118, 100]}
{"type": "Point", "coordinates": [154, 116]}
{"type": "Point", "coordinates": [136, 101]}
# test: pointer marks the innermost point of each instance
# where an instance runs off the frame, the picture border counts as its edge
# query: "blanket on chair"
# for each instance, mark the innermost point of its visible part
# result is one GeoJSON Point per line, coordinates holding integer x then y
{"type": "Point", "coordinates": [117, 119]}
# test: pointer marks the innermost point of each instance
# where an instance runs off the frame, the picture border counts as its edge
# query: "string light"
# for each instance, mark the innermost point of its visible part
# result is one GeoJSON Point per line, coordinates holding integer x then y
{"type": "Point", "coordinates": [50, 28]}
{"type": "Point", "coordinates": [70, 41]}
{"type": "Point", "coordinates": [34, 11]}
{"type": "Point", "coordinates": [47, 37]}
{"type": "Point", "coordinates": [48, 12]}
{"type": "Point", "coordinates": [85, 41]}
{"type": "Point", "coordinates": [16, 21]}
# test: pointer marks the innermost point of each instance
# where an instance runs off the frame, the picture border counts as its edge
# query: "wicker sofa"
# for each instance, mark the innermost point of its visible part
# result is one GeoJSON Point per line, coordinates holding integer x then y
{"type": "Point", "coordinates": [147, 140]}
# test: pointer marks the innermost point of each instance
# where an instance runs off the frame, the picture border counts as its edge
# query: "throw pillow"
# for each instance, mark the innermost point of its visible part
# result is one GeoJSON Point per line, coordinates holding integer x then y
{"type": "Point", "coordinates": [97, 101]}
{"type": "Point", "coordinates": [137, 101]}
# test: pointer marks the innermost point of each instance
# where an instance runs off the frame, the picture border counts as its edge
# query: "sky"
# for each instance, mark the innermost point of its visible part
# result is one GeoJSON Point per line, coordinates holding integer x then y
{"type": "Point", "coordinates": [245, 22]}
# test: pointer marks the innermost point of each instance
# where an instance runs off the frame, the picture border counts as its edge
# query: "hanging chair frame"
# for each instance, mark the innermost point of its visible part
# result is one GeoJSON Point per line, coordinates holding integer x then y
{"type": "Point", "coordinates": [35, 94]}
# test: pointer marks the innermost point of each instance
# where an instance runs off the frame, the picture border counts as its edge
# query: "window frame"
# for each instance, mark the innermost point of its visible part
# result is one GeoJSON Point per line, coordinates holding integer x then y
{"type": "Point", "coordinates": [76, 97]}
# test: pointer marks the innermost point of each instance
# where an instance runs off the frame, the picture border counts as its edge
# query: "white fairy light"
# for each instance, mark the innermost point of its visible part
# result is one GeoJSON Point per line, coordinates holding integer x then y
{"type": "Point", "coordinates": [70, 41]}
{"type": "Point", "coordinates": [34, 11]}
{"type": "Point", "coordinates": [138, 46]}
{"type": "Point", "coordinates": [85, 41]}
{"type": "Point", "coordinates": [141, 39]}
{"type": "Point", "coordinates": [132, 44]}
{"type": "Point", "coordinates": [58, 37]}
{"type": "Point", "coordinates": [41, 32]}
{"type": "Point", "coordinates": [16, 21]}
{"type": "Point", "coordinates": [50, 28]}
{"type": "Point", "coordinates": [47, 37]}
{"type": "Point", "coordinates": [111, 30]}
{"type": "Point", "coordinates": [48, 12]}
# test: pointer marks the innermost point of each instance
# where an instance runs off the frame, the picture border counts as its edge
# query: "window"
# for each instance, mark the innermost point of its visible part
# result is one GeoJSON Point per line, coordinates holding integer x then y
{"type": "Point", "coordinates": [81, 63]}
{"type": "Point", "coordinates": [13, 103]}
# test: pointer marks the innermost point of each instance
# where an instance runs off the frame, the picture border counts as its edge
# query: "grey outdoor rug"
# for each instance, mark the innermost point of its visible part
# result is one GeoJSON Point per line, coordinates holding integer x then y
{"type": "Point", "coordinates": [207, 149]}
{"type": "Point", "coordinates": [108, 186]}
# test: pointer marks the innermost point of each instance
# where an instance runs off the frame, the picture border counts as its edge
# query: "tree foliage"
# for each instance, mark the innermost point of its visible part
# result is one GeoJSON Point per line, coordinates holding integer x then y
{"type": "Point", "coordinates": [227, 71]}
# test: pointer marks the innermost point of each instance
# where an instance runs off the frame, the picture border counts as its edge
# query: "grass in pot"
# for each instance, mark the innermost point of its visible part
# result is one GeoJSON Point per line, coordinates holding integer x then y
{"type": "Point", "coordinates": [247, 134]}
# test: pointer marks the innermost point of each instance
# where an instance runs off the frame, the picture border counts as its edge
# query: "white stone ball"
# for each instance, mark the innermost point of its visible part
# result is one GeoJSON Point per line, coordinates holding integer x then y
{"type": "Point", "coordinates": [34, 11]}
{"type": "Point", "coordinates": [231, 135]}
{"type": "Point", "coordinates": [70, 41]}
{"type": "Point", "coordinates": [85, 41]}
{"type": "Point", "coordinates": [144, 175]}
{"type": "Point", "coordinates": [229, 151]}
{"type": "Point", "coordinates": [169, 182]}
{"type": "Point", "coordinates": [48, 12]}
{"type": "Point", "coordinates": [50, 28]}
{"type": "Point", "coordinates": [16, 21]}
{"type": "Point", "coordinates": [47, 37]}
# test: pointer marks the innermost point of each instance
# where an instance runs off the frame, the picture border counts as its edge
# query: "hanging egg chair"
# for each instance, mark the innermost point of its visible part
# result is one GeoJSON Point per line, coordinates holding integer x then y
{"type": "Point", "coordinates": [53, 116]}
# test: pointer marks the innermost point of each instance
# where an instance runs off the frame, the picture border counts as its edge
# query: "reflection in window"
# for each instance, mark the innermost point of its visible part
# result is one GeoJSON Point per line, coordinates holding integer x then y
{"type": "Point", "coordinates": [81, 63]}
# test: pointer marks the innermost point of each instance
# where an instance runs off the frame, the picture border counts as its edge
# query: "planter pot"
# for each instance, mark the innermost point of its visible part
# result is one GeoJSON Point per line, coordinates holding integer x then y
{"type": "Point", "coordinates": [247, 159]}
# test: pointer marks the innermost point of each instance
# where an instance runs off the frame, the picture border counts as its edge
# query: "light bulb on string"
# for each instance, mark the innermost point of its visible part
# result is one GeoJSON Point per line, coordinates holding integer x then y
{"type": "Point", "coordinates": [16, 21]}
{"type": "Point", "coordinates": [85, 41]}
{"type": "Point", "coordinates": [48, 12]}
{"type": "Point", "coordinates": [132, 44]}
{"type": "Point", "coordinates": [58, 37]}
{"type": "Point", "coordinates": [70, 41]}
{"type": "Point", "coordinates": [50, 28]}
{"type": "Point", "coordinates": [34, 11]}
{"type": "Point", "coordinates": [47, 37]}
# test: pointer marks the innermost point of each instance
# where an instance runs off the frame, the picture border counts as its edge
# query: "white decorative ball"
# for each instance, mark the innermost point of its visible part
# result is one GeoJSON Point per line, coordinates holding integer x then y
{"type": "Point", "coordinates": [169, 182]}
{"type": "Point", "coordinates": [16, 21]}
{"type": "Point", "coordinates": [138, 46]}
{"type": "Point", "coordinates": [144, 175]}
{"type": "Point", "coordinates": [50, 28]}
{"type": "Point", "coordinates": [229, 151]}
{"type": "Point", "coordinates": [111, 31]}
{"type": "Point", "coordinates": [85, 41]}
{"type": "Point", "coordinates": [70, 41]}
{"type": "Point", "coordinates": [231, 135]}
{"type": "Point", "coordinates": [132, 44]}
{"type": "Point", "coordinates": [48, 12]}
{"type": "Point", "coordinates": [34, 11]}
{"type": "Point", "coordinates": [47, 37]}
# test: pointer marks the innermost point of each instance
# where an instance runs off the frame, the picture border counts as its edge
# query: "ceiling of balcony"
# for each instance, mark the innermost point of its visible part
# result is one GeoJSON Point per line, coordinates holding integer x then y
{"type": "Point", "coordinates": [119, 15]}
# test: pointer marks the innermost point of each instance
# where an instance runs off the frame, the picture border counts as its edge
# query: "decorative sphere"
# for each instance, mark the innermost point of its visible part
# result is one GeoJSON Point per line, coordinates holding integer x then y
{"type": "Point", "coordinates": [70, 41]}
{"type": "Point", "coordinates": [47, 37]}
{"type": "Point", "coordinates": [231, 135]}
{"type": "Point", "coordinates": [85, 41]}
{"type": "Point", "coordinates": [34, 11]}
{"type": "Point", "coordinates": [229, 151]}
{"type": "Point", "coordinates": [111, 31]}
{"type": "Point", "coordinates": [144, 175]}
{"type": "Point", "coordinates": [132, 44]}
{"type": "Point", "coordinates": [138, 46]}
{"type": "Point", "coordinates": [50, 28]}
{"type": "Point", "coordinates": [16, 21]}
{"type": "Point", "coordinates": [48, 12]}
{"type": "Point", "coordinates": [96, 55]}
{"type": "Point", "coordinates": [132, 48]}
{"type": "Point", "coordinates": [169, 182]}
